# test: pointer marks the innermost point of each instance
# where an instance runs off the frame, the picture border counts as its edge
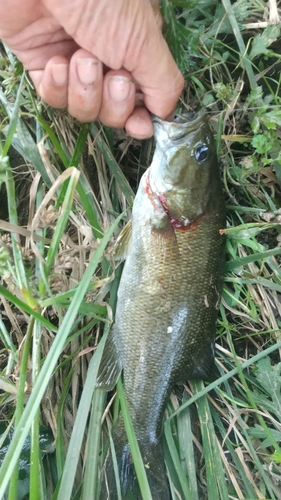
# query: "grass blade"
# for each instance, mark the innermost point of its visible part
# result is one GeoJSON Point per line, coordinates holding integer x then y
{"type": "Point", "coordinates": [90, 483]}
{"type": "Point", "coordinates": [134, 447]}
{"type": "Point", "coordinates": [187, 450]}
{"type": "Point", "coordinates": [68, 476]}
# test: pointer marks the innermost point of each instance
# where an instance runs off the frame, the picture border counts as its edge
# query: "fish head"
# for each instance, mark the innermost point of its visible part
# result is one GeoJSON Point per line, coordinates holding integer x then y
{"type": "Point", "coordinates": [184, 171]}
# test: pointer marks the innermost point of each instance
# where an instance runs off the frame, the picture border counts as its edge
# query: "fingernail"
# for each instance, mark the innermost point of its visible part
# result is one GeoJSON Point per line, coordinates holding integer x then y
{"type": "Point", "coordinates": [60, 74]}
{"type": "Point", "coordinates": [87, 70]}
{"type": "Point", "coordinates": [119, 87]}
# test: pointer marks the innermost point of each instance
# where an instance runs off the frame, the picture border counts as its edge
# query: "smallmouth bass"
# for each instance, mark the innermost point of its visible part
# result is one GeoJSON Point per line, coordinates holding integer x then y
{"type": "Point", "coordinates": [169, 292]}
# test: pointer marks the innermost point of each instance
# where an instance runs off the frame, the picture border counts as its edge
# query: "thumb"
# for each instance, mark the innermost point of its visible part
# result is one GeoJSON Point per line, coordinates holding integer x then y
{"type": "Point", "coordinates": [158, 76]}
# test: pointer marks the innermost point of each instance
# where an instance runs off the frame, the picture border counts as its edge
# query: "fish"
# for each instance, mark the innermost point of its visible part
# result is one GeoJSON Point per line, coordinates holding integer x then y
{"type": "Point", "coordinates": [169, 293]}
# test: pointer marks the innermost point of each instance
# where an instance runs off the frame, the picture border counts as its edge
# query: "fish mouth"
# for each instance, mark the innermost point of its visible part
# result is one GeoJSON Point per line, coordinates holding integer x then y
{"type": "Point", "coordinates": [182, 124]}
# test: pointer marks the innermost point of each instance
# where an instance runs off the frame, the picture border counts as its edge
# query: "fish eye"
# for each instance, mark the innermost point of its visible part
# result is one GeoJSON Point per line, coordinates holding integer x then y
{"type": "Point", "coordinates": [201, 153]}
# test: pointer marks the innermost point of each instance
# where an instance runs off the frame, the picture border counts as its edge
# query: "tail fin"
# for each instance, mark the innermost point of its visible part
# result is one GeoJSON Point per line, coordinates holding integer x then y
{"type": "Point", "coordinates": [154, 462]}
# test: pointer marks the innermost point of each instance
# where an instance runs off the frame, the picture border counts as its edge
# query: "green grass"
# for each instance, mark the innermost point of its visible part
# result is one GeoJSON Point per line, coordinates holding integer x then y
{"type": "Point", "coordinates": [67, 194]}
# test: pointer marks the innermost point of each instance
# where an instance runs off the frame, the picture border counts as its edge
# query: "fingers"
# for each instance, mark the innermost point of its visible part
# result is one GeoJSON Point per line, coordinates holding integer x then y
{"type": "Point", "coordinates": [52, 82]}
{"type": "Point", "coordinates": [91, 95]}
{"type": "Point", "coordinates": [85, 86]}
{"type": "Point", "coordinates": [132, 40]}
{"type": "Point", "coordinates": [79, 86]}
{"type": "Point", "coordinates": [118, 99]}
{"type": "Point", "coordinates": [48, 40]}
{"type": "Point", "coordinates": [76, 85]}
{"type": "Point", "coordinates": [139, 124]}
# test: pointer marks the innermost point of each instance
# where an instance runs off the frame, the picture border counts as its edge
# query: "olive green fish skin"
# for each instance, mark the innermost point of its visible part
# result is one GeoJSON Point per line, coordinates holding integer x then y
{"type": "Point", "coordinates": [171, 283]}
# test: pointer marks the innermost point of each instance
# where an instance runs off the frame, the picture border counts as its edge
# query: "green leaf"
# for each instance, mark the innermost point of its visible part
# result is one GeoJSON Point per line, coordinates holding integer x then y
{"type": "Point", "coordinates": [255, 257]}
{"type": "Point", "coordinates": [263, 40]}
{"type": "Point", "coordinates": [258, 432]}
{"type": "Point", "coordinates": [271, 119]}
{"type": "Point", "coordinates": [14, 116]}
{"type": "Point", "coordinates": [276, 457]}
{"type": "Point", "coordinates": [23, 141]}
{"type": "Point", "coordinates": [269, 377]}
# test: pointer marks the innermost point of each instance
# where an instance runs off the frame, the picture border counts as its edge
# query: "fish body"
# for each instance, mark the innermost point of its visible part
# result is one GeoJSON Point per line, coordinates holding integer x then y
{"type": "Point", "coordinates": [169, 291]}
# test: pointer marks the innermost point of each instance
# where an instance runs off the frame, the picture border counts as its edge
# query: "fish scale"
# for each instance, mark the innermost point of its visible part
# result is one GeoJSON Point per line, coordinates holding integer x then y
{"type": "Point", "coordinates": [168, 295]}
{"type": "Point", "coordinates": [170, 324]}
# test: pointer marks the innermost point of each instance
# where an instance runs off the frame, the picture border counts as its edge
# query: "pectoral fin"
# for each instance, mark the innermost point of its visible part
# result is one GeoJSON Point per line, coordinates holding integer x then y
{"type": "Point", "coordinates": [122, 244]}
{"type": "Point", "coordinates": [110, 366]}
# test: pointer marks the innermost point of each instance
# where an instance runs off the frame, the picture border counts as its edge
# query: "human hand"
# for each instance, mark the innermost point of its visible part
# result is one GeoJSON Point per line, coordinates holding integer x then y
{"type": "Point", "coordinates": [98, 58]}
